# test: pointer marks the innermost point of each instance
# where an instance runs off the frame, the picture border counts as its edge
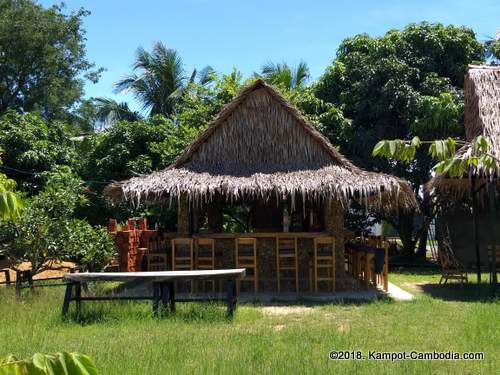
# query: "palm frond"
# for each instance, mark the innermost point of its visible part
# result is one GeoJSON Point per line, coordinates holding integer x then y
{"type": "Point", "coordinates": [206, 75]}
{"type": "Point", "coordinates": [301, 74]}
{"type": "Point", "coordinates": [110, 111]}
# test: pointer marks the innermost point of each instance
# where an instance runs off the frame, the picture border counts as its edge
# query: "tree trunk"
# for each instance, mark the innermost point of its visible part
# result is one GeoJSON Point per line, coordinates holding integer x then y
{"type": "Point", "coordinates": [422, 239]}
{"type": "Point", "coordinates": [405, 230]}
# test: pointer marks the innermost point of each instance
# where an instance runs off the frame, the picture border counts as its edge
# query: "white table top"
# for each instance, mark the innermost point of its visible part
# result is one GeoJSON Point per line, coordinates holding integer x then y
{"type": "Point", "coordinates": [156, 275]}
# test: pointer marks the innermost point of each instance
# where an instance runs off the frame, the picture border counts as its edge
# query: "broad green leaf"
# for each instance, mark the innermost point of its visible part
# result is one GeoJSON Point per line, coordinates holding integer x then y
{"type": "Point", "coordinates": [416, 142]}
{"type": "Point", "coordinates": [392, 148]}
{"type": "Point", "coordinates": [378, 150]}
{"type": "Point", "coordinates": [49, 364]}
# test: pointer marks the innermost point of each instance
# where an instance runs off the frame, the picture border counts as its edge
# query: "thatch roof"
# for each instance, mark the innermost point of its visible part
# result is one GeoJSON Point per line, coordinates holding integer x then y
{"type": "Point", "coordinates": [259, 146]}
{"type": "Point", "coordinates": [481, 117]}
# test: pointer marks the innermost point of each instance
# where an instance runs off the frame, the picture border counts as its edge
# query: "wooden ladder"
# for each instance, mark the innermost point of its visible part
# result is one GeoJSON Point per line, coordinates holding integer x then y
{"type": "Point", "coordinates": [287, 261]}
{"type": "Point", "coordinates": [205, 258]}
{"type": "Point", "coordinates": [324, 261]}
{"type": "Point", "coordinates": [182, 260]}
{"type": "Point", "coordinates": [248, 260]}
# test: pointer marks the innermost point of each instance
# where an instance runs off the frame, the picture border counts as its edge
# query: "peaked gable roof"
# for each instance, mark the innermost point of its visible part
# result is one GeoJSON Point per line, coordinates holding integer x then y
{"type": "Point", "coordinates": [259, 131]}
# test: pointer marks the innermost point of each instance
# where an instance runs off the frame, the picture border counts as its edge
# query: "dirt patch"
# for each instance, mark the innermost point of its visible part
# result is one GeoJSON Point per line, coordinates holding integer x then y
{"type": "Point", "coordinates": [286, 310]}
{"type": "Point", "coordinates": [417, 286]}
{"type": "Point", "coordinates": [279, 327]}
{"type": "Point", "coordinates": [54, 269]}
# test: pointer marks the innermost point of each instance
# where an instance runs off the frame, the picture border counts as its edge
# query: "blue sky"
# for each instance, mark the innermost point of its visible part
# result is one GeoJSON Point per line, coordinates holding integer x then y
{"type": "Point", "coordinates": [246, 34]}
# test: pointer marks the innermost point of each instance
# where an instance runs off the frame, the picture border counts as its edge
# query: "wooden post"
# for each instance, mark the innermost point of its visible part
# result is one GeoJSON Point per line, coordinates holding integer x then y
{"type": "Point", "coordinates": [385, 271]}
{"type": "Point", "coordinates": [215, 215]}
{"type": "Point", "coordinates": [474, 227]}
{"type": "Point", "coordinates": [334, 224]}
{"type": "Point", "coordinates": [18, 283]}
{"type": "Point", "coordinates": [183, 215]}
{"type": "Point", "coordinates": [493, 219]}
{"type": "Point", "coordinates": [7, 277]}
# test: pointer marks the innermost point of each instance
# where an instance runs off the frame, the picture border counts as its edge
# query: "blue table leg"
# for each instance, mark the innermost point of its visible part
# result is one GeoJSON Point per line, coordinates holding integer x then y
{"type": "Point", "coordinates": [171, 296]}
{"type": "Point", "coordinates": [231, 297]}
{"type": "Point", "coordinates": [156, 297]}
{"type": "Point", "coordinates": [67, 298]}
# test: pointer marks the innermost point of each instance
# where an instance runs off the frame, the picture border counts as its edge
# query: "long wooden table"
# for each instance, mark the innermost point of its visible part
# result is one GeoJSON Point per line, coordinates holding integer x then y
{"type": "Point", "coordinates": [163, 286]}
{"type": "Point", "coordinates": [261, 235]}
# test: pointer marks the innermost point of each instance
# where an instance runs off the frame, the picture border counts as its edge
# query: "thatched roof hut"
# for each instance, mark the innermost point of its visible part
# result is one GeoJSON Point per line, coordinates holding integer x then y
{"type": "Point", "coordinates": [259, 146]}
{"type": "Point", "coordinates": [481, 117]}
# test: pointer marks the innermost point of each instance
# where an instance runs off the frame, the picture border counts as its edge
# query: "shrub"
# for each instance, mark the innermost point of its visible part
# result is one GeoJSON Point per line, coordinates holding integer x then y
{"type": "Point", "coordinates": [47, 227]}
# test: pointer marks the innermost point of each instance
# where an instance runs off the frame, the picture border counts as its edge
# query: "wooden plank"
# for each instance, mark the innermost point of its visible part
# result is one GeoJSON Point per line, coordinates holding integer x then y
{"type": "Point", "coordinates": [156, 276]}
{"type": "Point", "coordinates": [290, 235]}
{"type": "Point", "coordinates": [114, 298]}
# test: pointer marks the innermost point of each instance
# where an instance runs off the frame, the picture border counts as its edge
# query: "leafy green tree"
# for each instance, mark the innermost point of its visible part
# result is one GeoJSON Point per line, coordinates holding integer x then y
{"type": "Point", "coordinates": [32, 146]}
{"type": "Point", "coordinates": [138, 147]}
{"type": "Point", "coordinates": [444, 151]}
{"type": "Point", "coordinates": [127, 149]}
{"type": "Point", "coordinates": [159, 79]}
{"type": "Point", "coordinates": [47, 228]}
{"type": "Point", "coordinates": [42, 61]}
{"type": "Point", "coordinates": [325, 116]}
{"type": "Point", "coordinates": [400, 85]}
{"type": "Point", "coordinates": [200, 103]}
{"type": "Point", "coordinates": [285, 76]}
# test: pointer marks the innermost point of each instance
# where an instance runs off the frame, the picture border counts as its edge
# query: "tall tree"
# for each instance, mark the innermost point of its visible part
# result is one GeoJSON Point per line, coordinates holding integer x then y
{"type": "Point", "coordinates": [285, 76]}
{"type": "Point", "coordinates": [32, 146]}
{"type": "Point", "coordinates": [42, 58]}
{"type": "Point", "coordinates": [402, 84]}
{"type": "Point", "coordinates": [159, 79]}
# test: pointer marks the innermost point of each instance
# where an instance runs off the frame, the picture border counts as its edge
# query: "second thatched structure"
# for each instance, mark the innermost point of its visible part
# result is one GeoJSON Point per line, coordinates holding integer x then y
{"type": "Point", "coordinates": [471, 200]}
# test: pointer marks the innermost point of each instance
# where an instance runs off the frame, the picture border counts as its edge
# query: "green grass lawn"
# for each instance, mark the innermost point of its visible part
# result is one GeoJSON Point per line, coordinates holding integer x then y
{"type": "Point", "coordinates": [123, 338]}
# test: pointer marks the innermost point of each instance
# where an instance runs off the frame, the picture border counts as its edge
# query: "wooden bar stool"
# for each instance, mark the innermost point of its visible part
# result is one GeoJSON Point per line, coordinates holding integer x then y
{"type": "Point", "coordinates": [287, 261]}
{"type": "Point", "coordinates": [183, 255]}
{"type": "Point", "coordinates": [205, 258]}
{"type": "Point", "coordinates": [159, 254]}
{"type": "Point", "coordinates": [157, 262]}
{"type": "Point", "coordinates": [246, 257]}
{"type": "Point", "coordinates": [324, 261]}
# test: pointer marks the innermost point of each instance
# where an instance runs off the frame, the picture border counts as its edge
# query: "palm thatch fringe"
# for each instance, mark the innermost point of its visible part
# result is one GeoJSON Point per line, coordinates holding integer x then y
{"type": "Point", "coordinates": [259, 146]}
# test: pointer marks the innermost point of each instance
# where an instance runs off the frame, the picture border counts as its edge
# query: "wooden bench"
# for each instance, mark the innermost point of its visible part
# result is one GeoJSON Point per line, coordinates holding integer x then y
{"type": "Point", "coordinates": [163, 286]}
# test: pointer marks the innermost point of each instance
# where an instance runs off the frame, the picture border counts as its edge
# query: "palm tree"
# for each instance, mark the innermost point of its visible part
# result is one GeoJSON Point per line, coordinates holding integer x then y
{"type": "Point", "coordinates": [492, 48]}
{"type": "Point", "coordinates": [109, 111]}
{"type": "Point", "coordinates": [159, 79]}
{"type": "Point", "coordinates": [281, 74]}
